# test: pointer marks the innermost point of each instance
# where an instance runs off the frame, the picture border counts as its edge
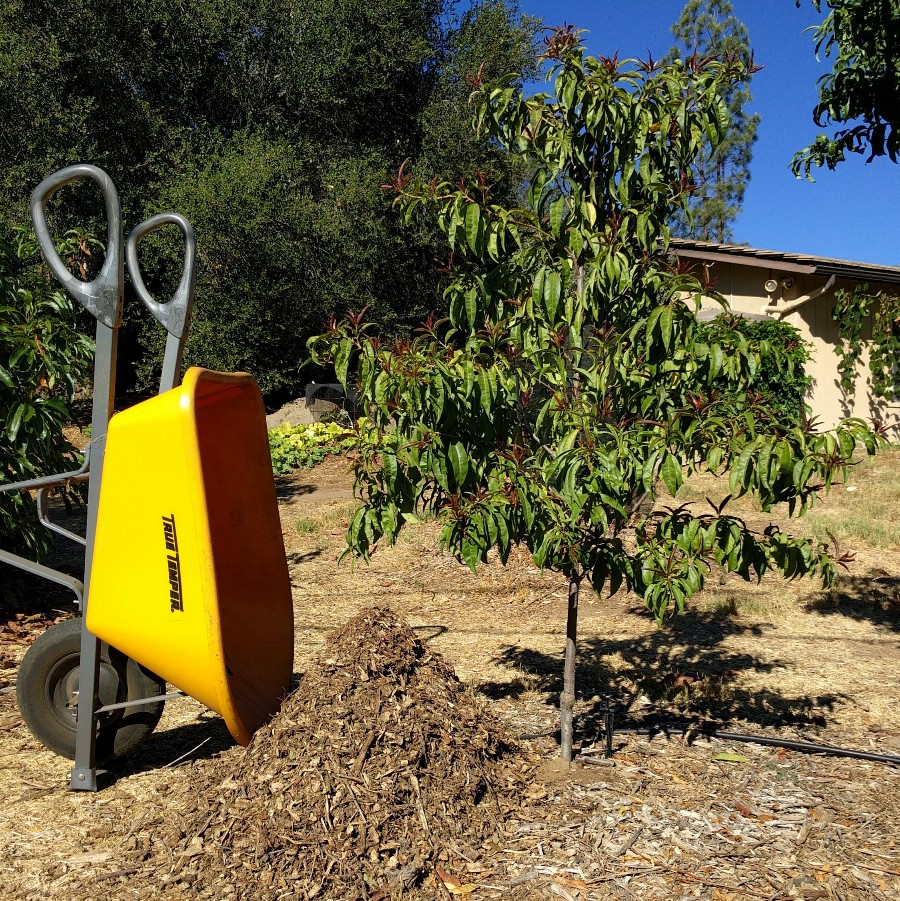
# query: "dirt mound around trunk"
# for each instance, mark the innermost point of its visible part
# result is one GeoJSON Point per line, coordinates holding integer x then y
{"type": "Point", "coordinates": [379, 768]}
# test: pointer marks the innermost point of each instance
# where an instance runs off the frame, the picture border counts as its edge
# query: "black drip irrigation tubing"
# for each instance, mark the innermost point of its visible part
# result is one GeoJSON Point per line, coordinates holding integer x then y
{"type": "Point", "coordinates": [787, 743]}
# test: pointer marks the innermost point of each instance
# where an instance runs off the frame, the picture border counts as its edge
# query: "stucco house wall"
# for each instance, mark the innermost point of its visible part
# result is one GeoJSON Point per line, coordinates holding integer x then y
{"type": "Point", "coordinates": [804, 296]}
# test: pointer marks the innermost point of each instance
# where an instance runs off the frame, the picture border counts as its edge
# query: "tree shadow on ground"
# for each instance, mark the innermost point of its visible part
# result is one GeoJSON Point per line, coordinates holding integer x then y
{"type": "Point", "coordinates": [303, 556]}
{"type": "Point", "coordinates": [287, 488]}
{"type": "Point", "coordinates": [28, 595]}
{"type": "Point", "coordinates": [429, 633]}
{"type": "Point", "coordinates": [681, 673]}
{"type": "Point", "coordinates": [873, 597]}
{"type": "Point", "coordinates": [32, 598]}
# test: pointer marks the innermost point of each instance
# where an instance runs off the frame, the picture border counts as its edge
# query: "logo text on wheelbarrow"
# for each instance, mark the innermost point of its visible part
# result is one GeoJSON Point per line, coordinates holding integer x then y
{"type": "Point", "coordinates": [176, 598]}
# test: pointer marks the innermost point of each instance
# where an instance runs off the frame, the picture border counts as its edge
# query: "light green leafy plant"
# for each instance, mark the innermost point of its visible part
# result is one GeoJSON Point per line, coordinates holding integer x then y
{"type": "Point", "coordinates": [853, 311]}
{"type": "Point", "coordinates": [295, 447]}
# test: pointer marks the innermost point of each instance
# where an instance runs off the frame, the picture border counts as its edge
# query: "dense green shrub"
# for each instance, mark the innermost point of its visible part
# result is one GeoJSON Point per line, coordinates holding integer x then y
{"type": "Point", "coordinates": [271, 125]}
{"type": "Point", "coordinates": [786, 385]}
{"type": "Point", "coordinates": [43, 356]}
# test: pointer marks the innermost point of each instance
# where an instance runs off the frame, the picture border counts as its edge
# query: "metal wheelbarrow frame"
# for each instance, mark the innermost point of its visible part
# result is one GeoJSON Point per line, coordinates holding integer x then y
{"type": "Point", "coordinates": [103, 298]}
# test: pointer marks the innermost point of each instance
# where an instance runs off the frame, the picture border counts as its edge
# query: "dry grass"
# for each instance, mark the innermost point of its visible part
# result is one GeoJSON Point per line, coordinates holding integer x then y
{"type": "Point", "coordinates": [327, 518]}
{"type": "Point", "coordinates": [864, 509]}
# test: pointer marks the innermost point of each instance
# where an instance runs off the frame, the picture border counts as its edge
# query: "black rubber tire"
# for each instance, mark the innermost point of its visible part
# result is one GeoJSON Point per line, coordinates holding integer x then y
{"type": "Point", "coordinates": [47, 686]}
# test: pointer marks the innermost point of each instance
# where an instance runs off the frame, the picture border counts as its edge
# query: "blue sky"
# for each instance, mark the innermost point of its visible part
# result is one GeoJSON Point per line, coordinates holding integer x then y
{"type": "Point", "coordinates": [852, 213]}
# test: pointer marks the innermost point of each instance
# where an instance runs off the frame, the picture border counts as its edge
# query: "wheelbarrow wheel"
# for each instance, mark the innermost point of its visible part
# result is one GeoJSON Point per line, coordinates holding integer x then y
{"type": "Point", "coordinates": [47, 692]}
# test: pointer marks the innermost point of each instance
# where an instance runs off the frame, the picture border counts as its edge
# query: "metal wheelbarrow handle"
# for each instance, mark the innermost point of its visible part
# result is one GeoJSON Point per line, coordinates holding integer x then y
{"type": "Point", "coordinates": [102, 297]}
{"type": "Point", "coordinates": [175, 315]}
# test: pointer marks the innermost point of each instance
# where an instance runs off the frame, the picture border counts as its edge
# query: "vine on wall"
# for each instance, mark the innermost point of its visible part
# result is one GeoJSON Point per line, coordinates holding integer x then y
{"type": "Point", "coordinates": [850, 313]}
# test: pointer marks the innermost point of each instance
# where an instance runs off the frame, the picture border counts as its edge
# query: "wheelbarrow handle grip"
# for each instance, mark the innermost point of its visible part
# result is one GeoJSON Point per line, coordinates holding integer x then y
{"type": "Point", "coordinates": [175, 315]}
{"type": "Point", "coordinates": [103, 296]}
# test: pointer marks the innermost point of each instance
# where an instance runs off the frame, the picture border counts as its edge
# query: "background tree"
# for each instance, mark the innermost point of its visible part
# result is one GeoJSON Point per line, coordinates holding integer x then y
{"type": "Point", "coordinates": [710, 28]}
{"type": "Point", "coordinates": [571, 377]}
{"type": "Point", "coordinates": [863, 86]}
{"type": "Point", "coordinates": [271, 125]}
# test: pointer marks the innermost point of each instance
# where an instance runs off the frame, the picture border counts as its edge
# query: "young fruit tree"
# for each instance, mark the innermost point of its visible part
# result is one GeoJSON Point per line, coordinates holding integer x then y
{"type": "Point", "coordinates": [571, 378]}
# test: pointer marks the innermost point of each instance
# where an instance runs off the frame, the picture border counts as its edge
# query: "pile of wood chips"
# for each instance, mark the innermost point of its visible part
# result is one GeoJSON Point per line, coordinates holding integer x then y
{"type": "Point", "coordinates": [381, 774]}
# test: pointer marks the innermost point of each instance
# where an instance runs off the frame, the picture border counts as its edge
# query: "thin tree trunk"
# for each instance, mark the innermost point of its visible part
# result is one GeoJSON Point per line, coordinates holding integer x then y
{"type": "Point", "coordinates": [567, 697]}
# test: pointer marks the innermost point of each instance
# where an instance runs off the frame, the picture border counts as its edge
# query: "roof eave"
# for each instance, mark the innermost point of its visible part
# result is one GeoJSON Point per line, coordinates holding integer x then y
{"type": "Point", "coordinates": [786, 262]}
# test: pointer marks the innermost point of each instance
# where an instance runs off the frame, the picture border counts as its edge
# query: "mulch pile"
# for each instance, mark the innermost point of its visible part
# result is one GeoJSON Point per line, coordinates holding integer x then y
{"type": "Point", "coordinates": [381, 774]}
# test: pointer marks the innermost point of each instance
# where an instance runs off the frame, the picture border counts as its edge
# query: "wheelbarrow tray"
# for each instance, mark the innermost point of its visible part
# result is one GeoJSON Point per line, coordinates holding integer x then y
{"type": "Point", "coordinates": [189, 575]}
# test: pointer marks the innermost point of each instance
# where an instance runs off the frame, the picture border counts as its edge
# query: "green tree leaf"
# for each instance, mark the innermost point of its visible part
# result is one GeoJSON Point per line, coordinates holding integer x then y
{"type": "Point", "coordinates": [670, 473]}
{"type": "Point", "coordinates": [474, 228]}
{"type": "Point", "coordinates": [459, 462]}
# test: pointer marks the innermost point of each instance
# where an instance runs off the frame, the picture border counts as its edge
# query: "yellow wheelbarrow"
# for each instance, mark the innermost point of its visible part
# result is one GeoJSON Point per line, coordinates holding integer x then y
{"type": "Point", "coordinates": [185, 576]}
